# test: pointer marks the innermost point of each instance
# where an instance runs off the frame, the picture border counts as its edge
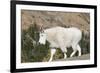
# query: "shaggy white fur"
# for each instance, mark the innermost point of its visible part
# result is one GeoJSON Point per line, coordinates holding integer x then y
{"type": "Point", "coordinates": [60, 37]}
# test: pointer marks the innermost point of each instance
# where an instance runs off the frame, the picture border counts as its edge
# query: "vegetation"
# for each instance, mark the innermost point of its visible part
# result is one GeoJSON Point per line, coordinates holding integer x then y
{"type": "Point", "coordinates": [32, 51]}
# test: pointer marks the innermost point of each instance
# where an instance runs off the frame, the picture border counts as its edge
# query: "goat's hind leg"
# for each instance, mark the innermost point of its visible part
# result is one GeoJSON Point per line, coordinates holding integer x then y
{"type": "Point", "coordinates": [79, 50]}
{"type": "Point", "coordinates": [74, 51]}
{"type": "Point", "coordinates": [52, 51]}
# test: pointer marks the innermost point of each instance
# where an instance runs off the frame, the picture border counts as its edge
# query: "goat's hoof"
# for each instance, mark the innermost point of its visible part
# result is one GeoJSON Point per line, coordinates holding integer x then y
{"type": "Point", "coordinates": [79, 55]}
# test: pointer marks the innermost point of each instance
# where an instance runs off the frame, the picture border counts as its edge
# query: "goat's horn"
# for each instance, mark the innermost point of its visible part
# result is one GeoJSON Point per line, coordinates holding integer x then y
{"type": "Point", "coordinates": [41, 28]}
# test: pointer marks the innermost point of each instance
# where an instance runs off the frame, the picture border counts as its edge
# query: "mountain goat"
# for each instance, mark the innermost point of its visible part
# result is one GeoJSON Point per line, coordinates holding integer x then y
{"type": "Point", "coordinates": [60, 37]}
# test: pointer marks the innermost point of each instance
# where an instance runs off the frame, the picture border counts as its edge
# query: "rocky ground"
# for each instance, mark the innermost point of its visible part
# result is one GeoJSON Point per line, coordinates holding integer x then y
{"type": "Point", "coordinates": [83, 57]}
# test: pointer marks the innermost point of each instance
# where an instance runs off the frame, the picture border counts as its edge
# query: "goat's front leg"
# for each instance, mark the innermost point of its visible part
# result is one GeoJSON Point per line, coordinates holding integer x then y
{"type": "Point", "coordinates": [52, 50]}
{"type": "Point", "coordinates": [65, 55]}
{"type": "Point", "coordinates": [64, 50]}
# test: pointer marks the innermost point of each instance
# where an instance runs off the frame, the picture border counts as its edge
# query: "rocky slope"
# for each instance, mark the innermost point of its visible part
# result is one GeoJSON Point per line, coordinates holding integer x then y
{"type": "Point", "coordinates": [50, 19]}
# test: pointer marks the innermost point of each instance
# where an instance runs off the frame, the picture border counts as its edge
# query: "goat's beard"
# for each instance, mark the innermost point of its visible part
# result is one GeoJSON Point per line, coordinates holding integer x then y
{"type": "Point", "coordinates": [42, 41]}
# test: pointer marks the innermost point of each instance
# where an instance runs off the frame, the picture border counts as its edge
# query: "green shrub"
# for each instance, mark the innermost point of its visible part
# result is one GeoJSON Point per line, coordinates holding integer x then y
{"type": "Point", "coordinates": [85, 43]}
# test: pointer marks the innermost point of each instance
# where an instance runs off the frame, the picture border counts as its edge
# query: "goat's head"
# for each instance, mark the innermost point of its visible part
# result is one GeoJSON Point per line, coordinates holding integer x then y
{"type": "Point", "coordinates": [42, 36]}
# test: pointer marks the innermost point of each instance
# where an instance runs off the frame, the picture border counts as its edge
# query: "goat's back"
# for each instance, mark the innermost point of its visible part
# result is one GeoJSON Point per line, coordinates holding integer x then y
{"type": "Point", "coordinates": [63, 36]}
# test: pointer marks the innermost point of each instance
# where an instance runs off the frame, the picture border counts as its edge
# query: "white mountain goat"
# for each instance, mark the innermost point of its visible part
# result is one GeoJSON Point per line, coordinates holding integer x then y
{"type": "Point", "coordinates": [60, 37]}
